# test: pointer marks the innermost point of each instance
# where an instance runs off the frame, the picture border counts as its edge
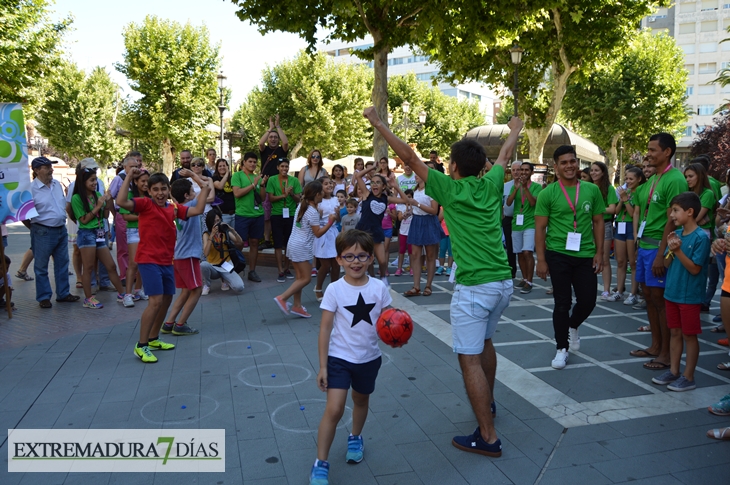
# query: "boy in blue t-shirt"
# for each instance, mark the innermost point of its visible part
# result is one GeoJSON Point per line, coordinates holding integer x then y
{"type": "Point", "coordinates": [686, 259]}
{"type": "Point", "coordinates": [188, 249]}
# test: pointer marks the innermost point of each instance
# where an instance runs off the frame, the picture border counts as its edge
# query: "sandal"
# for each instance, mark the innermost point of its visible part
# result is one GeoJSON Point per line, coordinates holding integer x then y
{"type": "Point", "coordinates": [654, 365]}
{"type": "Point", "coordinates": [723, 366]}
{"type": "Point", "coordinates": [550, 291]}
{"type": "Point", "coordinates": [318, 290]}
{"type": "Point", "coordinates": [719, 434]}
{"type": "Point", "coordinates": [427, 291]}
{"type": "Point", "coordinates": [23, 275]}
{"type": "Point", "coordinates": [644, 328]}
{"type": "Point", "coordinates": [69, 298]}
{"type": "Point", "coordinates": [412, 292]}
{"type": "Point", "coordinates": [79, 284]}
{"type": "Point", "coordinates": [718, 329]}
{"type": "Point", "coordinates": [45, 304]}
{"type": "Point", "coordinates": [644, 353]}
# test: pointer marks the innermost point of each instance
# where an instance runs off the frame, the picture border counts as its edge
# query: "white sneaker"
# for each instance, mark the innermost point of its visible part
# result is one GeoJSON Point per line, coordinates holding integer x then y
{"type": "Point", "coordinates": [128, 301]}
{"type": "Point", "coordinates": [631, 300]}
{"type": "Point", "coordinates": [384, 279]}
{"type": "Point", "coordinates": [614, 297]}
{"type": "Point", "coordinates": [141, 294]}
{"type": "Point", "coordinates": [225, 287]}
{"type": "Point", "coordinates": [561, 358]}
{"type": "Point", "coordinates": [574, 339]}
{"type": "Point", "coordinates": [206, 289]}
{"type": "Point", "coordinates": [605, 296]}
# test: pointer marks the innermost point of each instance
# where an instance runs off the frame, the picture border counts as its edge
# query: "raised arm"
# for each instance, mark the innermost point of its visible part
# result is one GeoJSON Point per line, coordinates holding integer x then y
{"type": "Point", "coordinates": [505, 153]}
{"type": "Point", "coordinates": [202, 199]}
{"type": "Point", "coordinates": [122, 199]}
{"type": "Point", "coordinates": [361, 182]}
{"type": "Point", "coordinates": [282, 136]}
{"type": "Point", "coordinates": [265, 136]}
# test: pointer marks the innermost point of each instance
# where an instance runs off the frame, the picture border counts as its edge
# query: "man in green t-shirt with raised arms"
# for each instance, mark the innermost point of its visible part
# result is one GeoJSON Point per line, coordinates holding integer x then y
{"type": "Point", "coordinates": [524, 196]}
{"type": "Point", "coordinates": [653, 227]}
{"type": "Point", "coordinates": [250, 208]}
{"type": "Point", "coordinates": [572, 251]}
{"type": "Point", "coordinates": [473, 213]}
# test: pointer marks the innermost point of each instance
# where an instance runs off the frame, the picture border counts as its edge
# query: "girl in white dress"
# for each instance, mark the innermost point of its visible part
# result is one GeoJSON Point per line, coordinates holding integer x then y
{"type": "Point", "coordinates": [324, 247]}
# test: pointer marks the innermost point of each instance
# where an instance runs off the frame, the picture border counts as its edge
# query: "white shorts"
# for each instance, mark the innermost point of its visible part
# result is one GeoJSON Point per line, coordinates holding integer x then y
{"type": "Point", "coordinates": [523, 241]}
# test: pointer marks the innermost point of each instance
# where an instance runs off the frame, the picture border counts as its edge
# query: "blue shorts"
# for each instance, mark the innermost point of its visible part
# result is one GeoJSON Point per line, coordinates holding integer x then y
{"type": "Point", "coordinates": [475, 312]}
{"type": "Point", "coordinates": [157, 279]}
{"type": "Point", "coordinates": [132, 235]}
{"type": "Point", "coordinates": [644, 260]}
{"type": "Point", "coordinates": [86, 238]}
{"type": "Point", "coordinates": [342, 374]}
{"type": "Point", "coordinates": [629, 236]}
{"type": "Point", "coordinates": [388, 233]}
{"type": "Point", "coordinates": [250, 227]}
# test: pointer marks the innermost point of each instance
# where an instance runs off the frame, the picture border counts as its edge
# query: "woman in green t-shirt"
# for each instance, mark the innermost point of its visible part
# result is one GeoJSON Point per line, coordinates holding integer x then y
{"type": "Point", "coordinates": [90, 208]}
{"type": "Point", "coordinates": [599, 175]}
{"type": "Point", "coordinates": [138, 188]}
{"type": "Point", "coordinates": [624, 246]}
{"type": "Point", "coordinates": [699, 183]}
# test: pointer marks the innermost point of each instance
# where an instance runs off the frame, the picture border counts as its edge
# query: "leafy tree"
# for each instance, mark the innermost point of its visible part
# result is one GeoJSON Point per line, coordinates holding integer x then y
{"type": "Point", "coordinates": [631, 96]}
{"type": "Point", "coordinates": [30, 48]}
{"type": "Point", "coordinates": [390, 24]}
{"type": "Point", "coordinates": [174, 69]}
{"type": "Point", "coordinates": [714, 141]}
{"type": "Point", "coordinates": [560, 37]}
{"type": "Point", "coordinates": [319, 102]}
{"type": "Point", "coordinates": [447, 118]}
{"type": "Point", "coordinates": [79, 114]}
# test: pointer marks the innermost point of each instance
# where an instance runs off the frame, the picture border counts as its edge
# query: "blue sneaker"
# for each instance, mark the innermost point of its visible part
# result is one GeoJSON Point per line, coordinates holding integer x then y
{"type": "Point", "coordinates": [320, 473]}
{"type": "Point", "coordinates": [355, 448]}
{"type": "Point", "coordinates": [475, 444]}
{"type": "Point", "coordinates": [681, 385]}
{"type": "Point", "coordinates": [666, 378]}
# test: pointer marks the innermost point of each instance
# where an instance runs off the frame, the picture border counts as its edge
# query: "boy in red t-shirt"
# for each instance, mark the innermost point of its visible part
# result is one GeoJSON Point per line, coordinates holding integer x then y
{"type": "Point", "coordinates": [157, 236]}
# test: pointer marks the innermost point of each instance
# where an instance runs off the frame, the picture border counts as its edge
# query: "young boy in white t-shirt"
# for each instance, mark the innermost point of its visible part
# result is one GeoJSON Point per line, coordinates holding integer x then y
{"type": "Point", "coordinates": [349, 355]}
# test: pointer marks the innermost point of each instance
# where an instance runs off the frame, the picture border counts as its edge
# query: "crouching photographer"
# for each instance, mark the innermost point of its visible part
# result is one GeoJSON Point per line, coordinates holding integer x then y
{"type": "Point", "coordinates": [223, 257]}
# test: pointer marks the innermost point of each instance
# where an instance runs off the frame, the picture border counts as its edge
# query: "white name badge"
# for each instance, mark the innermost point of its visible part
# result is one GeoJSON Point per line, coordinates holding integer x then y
{"type": "Point", "coordinates": [641, 229]}
{"type": "Point", "coordinates": [452, 277]}
{"type": "Point", "coordinates": [520, 219]}
{"type": "Point", "coordinates": [622, 228]}
{"type": "Point", "coordinates": [573, 241]}
{"type": "Point", "coordinates": [285, 213]}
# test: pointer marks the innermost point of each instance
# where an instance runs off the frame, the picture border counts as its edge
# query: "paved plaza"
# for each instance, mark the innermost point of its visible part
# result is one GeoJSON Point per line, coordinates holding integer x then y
{"type": "Point", "coordinates": [252, 371]}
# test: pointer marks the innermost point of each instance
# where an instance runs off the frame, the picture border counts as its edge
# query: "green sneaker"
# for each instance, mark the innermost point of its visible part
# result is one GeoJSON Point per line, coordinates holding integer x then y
{"type": "Point", "coordinates": [158, 344]}
{"type": "Point", "coordinates": [181, 330]}
{"type": "Point", "coordinates": [144, 354]}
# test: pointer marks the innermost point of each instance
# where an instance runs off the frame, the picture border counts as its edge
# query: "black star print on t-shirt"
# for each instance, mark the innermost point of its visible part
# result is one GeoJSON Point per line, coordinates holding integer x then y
{"type": "Point", "coordinates": [360, 311]}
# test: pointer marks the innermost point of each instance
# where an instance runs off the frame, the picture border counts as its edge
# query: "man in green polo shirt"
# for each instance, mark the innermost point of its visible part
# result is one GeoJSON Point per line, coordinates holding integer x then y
{"type": "Point", "coordinates": [249, 208]}
{"type": "Point", "coordinates": [571, 253]}
{"type": "Point", "coordinates": [524, 196]}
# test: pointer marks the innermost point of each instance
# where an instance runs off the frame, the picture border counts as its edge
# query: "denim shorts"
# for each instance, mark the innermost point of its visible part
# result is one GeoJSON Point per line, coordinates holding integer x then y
{"type": "Point", "coordinates": [342, 374]}
{"type": "Point", "coordinates": [523, 240]}
{"type": "Point", "coordinates": [132, 235]}
{"type": "Point", "coordinates": [388, 233]}
{"type": "Point", "coordinates": [86, 238]}
{"type": "Point", "coordinates": [644, 260]}
{"type": "Point", "coordinates": [629, 236]}
{"type": "Point", "coordinates": [475, 312]}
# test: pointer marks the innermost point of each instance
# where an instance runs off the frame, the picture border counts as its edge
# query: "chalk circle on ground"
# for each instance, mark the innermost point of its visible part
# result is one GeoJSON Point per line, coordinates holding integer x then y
{"type": "Point", "coordinates": [274, 375]}
{"type": "Point", "coordinates": [238, 349]}
{"type": "Point", "coordinates": [290, 417]}
{"type": "Point", "coordinates": [179, 409]}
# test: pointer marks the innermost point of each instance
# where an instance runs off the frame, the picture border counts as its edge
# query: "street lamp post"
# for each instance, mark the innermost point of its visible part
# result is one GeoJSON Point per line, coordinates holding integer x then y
{"type": "Point", "coordinates": [516, 53]}
{"type": "Point", "coordinates": [406, 123]}
{"type": "Point", "coordinates": [221, 106]}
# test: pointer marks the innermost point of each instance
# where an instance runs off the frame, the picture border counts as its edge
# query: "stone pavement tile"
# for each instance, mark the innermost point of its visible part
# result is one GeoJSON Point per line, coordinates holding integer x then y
{"type": "Point", "coordinates": [136, 478]}
{"type": "Point", "coordinates": [383, 401]}
{"type": "Point", "coordinates": [66, 344]}
{"type": "Point", "coordinates": [660, 480]}
{"type": "Point", "coordinates": [444, 315]}
{"type": "Point", "coordinates": [474, 468]}
{"type": "Point", "coordinates": [10, 419]}
{"type": "Point", "coordinates": [618, 324]}
{"type": "Point", "coordinates": [268, 481]}
{"type": "Point", "coordinates": [430, 418]}
{"type": "Point", "coordinates": [86, 478]}
{"type": "Point", "coordinates": [79, 411]}
{"type": "Point", "coordinates": [638, 371]}
{"type": "Point", "coordinates": [121, 389]}
{"type": "Point", "coordinates": [702, 456]}
{"type": "Point", "coordinates": [93, 383]}
{"type": "Point", "coordinates": [520, 470]}
{"type": "Point", "coordinates": [519, 313]}
{"type": "Point", "coordinates": [24, 393]}
{"type": "Point", "coordinates": [42, 478]}
{"type": "Point", "coordinates": [578, 475]}
{"type": "Point", "coordinates": [710, 474]}
{"type": "Point", "coordinates": [508, 332]}
{"type": "Point", "coordinates": [399, 479]}
{"type": "Point", "coordinates": [655, 442]}
{"type": "Point", "coordinates": [508, 423]}
{"type": "Point", "coordinates": [112, 414]}
{"type": "Point", "coordinates": [454, 406]}
{"type": "Point", "coordinates": [529, 444]}
{"type": "Point", "coordinates": [545, 427]}
{"type": "Point", "coordinates": [588, 434]}
{"type": "Point", "coordinates": [430, 464]}
{"type": "Point", "coordinates": [41, 415]}
{"type": "Point", "coordinates": [381, 454]}
{"type": "Point", "coordinates": [289, 441]}
{"type": "Point", "coordinates": [515, 404]}
{"type": "Point", "coordinates": [538, 354]}
{"type": "Point", "coordinates": [581, 454]}
{"type": "Point", "coordinates": [449, 376]}
{"type": "Point", "coordinates": [254, 426]}
{"type": "Point", "coordinates": [606, 348]}
{"type": "Point", "coordinates": [247, 400]}
{"type": "Point", "coordinates": [187, 478]}
{"type": "Point", "coordinates": [260, 458]}
{"type": "Point", "coordinates": [639, 467]}
{"type": "Point", "coordinates": [653, 424]}
{"type": "Point", "coordinates": [222, 418]}
{"type": "Point", "coordinates": [590, 383]}
{"type": "Point", "coordinates": [399, 426]}
{"type": "Point", "coordinates": [216, 386]}
{"type": "Point", "coordinates": [425, 381]}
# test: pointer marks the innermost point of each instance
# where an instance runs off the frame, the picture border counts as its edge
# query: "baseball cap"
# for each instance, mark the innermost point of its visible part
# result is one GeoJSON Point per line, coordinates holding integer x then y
{"type": "Point", "coordinates": [40, 161]}
{"type": "Point", "coordinates": [88, 163]}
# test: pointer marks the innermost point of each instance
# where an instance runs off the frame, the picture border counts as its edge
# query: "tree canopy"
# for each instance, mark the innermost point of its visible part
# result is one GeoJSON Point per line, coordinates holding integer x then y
{"type": "Point", "coordinates": [174, 69]}
{"type": "Point", "coordinates": [79, 114]}
{"type": "Point", "coordinates": [714, 141]}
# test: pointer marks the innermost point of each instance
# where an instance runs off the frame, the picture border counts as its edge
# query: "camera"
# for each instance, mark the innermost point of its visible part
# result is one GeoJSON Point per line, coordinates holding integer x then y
{"type": "Point", "coordinates": [223, 227]}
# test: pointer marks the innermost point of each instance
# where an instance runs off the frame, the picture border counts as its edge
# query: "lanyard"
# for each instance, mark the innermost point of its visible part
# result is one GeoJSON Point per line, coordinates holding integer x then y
{"type": "Point", "coordinates": [523, 197]}
{"type": "Point", "coordinates": [651, 192]}
{"type": "Point", "coordinates": [570, 203]}
{"type": "Point", "coordinates": [284, 186]}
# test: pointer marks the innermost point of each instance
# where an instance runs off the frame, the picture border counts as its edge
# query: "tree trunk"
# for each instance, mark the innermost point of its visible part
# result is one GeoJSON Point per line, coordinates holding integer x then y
{"type": "Point", "coordinates": [297, 146]}
{"type": "Point", "coordinates": [380, 93]}
{"type": "Point", "coordinates": [613, 162]}
{"type": "Point", "coordinates": [168, 160]}
{"type": "Point", "coordinates": [537, 138]}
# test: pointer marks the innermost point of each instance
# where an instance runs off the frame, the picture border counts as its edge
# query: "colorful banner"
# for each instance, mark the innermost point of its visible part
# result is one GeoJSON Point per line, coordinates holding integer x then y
{"type": "Point", "coordinates": [16, 200]}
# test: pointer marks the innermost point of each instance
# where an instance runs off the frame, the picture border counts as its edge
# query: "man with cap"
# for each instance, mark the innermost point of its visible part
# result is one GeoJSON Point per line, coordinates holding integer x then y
{"type": "Point", "coordinates": [48, 235]}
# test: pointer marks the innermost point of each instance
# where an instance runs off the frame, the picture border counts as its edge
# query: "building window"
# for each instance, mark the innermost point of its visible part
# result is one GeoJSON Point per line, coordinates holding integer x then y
{"type": "Point", "coordinates": [690, 68]}
{"type": "Point", "coordinates": [705, 109]}
{"type": "Point", "coordinates": [725, 46]}
{"type": "Point", "coordinates": [706, 89]}
{"type": "Point", "coordinates": [449, 92]}
{"type": "Point", "coordinates": [725, 65]}
{"type": "Point", "coordinates": [687, 7]}
{"type": "Point", "coordinates": [688, 48]}
{"type": "Point", "coordinates": [687, 131]}
{"type": "Point", "coordinates": [395, 61]}
{"type": "Point", "coordinates": [708, 26]}
{"type": "Point", "coordinates": [690, 90]}
{"type": "Point", "coordinates": [362, 47]}
{"type": "Point", "coordinates": [708, 47]}
{"type": "Point", "coordinates": [425, 76]}
{"type": "Point", "coordinates": [708, 68]}
{"type": "Point", "coordinates": [688, 28]}
{"type": "Point", "coordinates": [709, 5]}
{"type": "Point", "coordinates": [726, 5]}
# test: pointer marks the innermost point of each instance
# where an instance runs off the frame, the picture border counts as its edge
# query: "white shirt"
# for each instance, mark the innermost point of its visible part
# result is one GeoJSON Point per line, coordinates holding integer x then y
{"type": "Point", "coordinates": [407, 182]}
{"type": "Point", "coordinates": [353, 336]}
{"type": "Point", "coordinates": [405, 224]}
{"type": "Point", "coordinates": [49, 202]}
{"type": "Point", "coordinates": [423, 199]}
{"type": "Point", "coordinates": [509, 210]}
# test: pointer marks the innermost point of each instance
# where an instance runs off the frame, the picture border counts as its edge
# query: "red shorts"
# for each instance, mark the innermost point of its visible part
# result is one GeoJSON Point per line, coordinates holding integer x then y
{"type": "Point", "coordinates": [685, 316]}
{"type": "Point", "coordinates": [187, 273]}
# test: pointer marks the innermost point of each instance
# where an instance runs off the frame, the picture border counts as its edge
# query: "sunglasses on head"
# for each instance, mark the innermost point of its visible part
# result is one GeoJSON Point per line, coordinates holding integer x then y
{"type": "Point", "coordinates": [89, 170]}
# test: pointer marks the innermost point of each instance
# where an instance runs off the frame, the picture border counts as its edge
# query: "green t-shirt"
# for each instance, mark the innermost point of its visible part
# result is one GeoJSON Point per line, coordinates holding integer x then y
{"type": "Point", "coordinates": [552, 204]}
{"type": "Point", "coordinates": [716, 187]}
{"type": "Point", "coordinates": [473, 212]}
{"type": "Point", "coordinates": [708, 200]}
{"type": "Point", "coordinates": [276, 186]}
{"type": "Point", "coordinates": [122, 210]}
{"type": "Point", "coordinates": [668, 185]}
{"type": "Point", "coordinates": [527, 210]}
{"type": "Point", "coordinates": [246, 205]}
{"type": "Point", "coordinates": [79, 211]}
{"type": "Point", "coordinates": [611, 198]}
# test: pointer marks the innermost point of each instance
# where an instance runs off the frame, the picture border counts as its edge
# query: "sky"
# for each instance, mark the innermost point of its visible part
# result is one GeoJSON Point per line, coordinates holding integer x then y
{"type": "Point", "coordinates": [96, 37]}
